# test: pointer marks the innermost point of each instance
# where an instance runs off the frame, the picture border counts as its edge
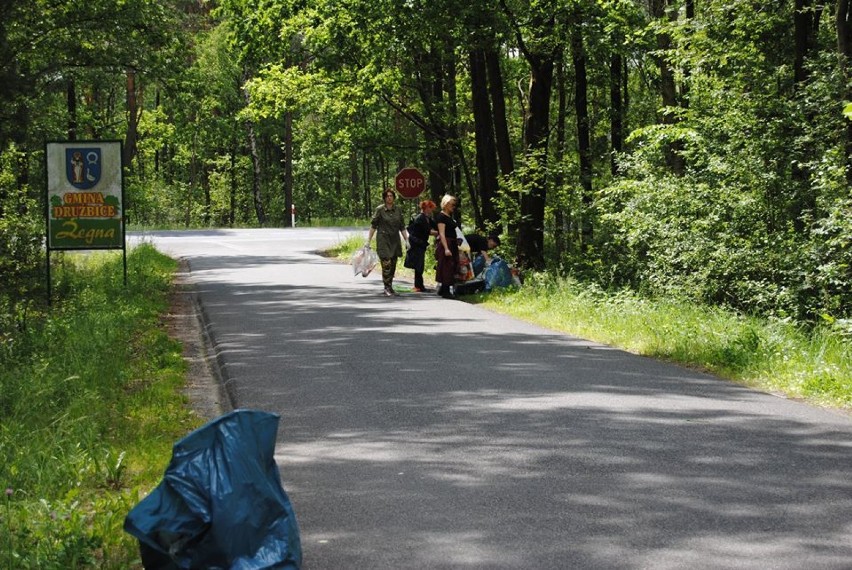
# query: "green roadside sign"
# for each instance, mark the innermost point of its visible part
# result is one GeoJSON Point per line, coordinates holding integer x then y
{"type": "Point", "coordinates": [85, 195]}
{"type": "Point", "coordinates": [84, 201]}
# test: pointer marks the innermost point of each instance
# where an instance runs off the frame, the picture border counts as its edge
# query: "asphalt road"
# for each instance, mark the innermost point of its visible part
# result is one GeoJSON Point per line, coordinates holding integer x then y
{"type": "Point", "coordinates": [422, 433]}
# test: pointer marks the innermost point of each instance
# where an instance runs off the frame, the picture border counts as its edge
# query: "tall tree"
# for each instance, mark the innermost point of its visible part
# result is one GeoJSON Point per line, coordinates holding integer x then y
{"type": "Point", "coordinates": [805, 24]}
{"type": "Point", "coordinates": [133, 109]}
{"type": "Point", "coordinates": [251, 133]}
{"type": "Point", "coordinates": [538, 42]}
{"type": "Point", "coordinates": [584, 144]}
{"type": "Point", "coordinates": [497, 92]}
{"type": "Point", "coordinates": [663, 13]}
{"type": "Point", "coordinates": [559, 214]}
{"type": "Point", "coordinates": [843, 24]}
{"type": "Point", "coordinates": [486, 150]}
{"type": "Point", "coordinates": [616, 108]}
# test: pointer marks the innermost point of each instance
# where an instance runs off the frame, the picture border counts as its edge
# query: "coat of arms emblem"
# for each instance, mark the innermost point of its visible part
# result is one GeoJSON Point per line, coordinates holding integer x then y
{"type": "Point", "coordinates": [83, 167]}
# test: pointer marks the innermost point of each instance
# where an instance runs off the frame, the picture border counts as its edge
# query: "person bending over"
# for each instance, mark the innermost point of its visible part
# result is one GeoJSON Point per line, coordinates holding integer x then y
{"type": "Point", "coordinates": [480, 244]}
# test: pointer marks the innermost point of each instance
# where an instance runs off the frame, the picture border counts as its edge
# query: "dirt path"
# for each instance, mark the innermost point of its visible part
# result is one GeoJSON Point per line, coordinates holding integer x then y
{"type": "Point", "coordinates": [203, 387]}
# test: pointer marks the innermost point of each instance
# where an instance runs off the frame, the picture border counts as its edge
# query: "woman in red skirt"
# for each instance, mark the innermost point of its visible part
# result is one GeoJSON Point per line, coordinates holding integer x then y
{"type": "Point", "coordinates": [446, 247]}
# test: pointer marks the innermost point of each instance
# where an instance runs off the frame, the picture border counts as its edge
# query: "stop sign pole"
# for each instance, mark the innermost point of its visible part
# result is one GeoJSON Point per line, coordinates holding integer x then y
{"type": "Point", "coordinates": [410, 182]}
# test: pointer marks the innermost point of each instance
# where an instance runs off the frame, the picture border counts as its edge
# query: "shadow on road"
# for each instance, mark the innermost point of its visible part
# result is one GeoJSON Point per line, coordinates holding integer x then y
{"type": "Point", "coordinates": [423, 433]}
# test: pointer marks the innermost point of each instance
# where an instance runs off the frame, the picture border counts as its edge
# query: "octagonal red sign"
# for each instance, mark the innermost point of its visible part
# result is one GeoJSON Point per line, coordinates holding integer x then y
{"type": "Point", "coordinates": [410, 182]}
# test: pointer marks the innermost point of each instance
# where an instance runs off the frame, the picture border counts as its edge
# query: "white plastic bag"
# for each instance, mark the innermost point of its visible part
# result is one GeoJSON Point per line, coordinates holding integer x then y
{"type": "Point", "coordinates": [364, 260]}
{"type": "Point", "coordinates": [463, 245]}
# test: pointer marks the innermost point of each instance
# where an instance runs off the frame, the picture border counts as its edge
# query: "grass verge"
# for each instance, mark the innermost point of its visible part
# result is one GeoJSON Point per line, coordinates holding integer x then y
{"type": "Point", "coordinates": [774, 356]}
{"type": "Point", "coordinates": [90, 406]}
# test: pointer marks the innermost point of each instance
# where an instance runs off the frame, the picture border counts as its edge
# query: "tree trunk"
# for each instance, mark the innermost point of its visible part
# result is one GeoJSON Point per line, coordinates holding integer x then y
{"type": "Point", "coordinates": [157, 151]}
{"type": "Point", "coordinates": [288, 168]}
{"type": "Point", "coordinates": [365, 178]}
{"type": "Point", "coordinates": [132, 119]}
{"type": "Point", "coordinates": [486, 152]}
{"type": "Point", "coordinates": [498, 110]}
{"type": "Point", "coordinates": [804, 26]}
{"type": "Point", "coordinates": [668, 90]}
{"type": "Point", "coordinates": [843, 22]}
{"type": "Point", "coordinates": [383, 168]}
{"type": "Point", "coordinates": [72, 109]}
{"type": "Point", "coordinates": [687, 73]}
{"type": "Point", "coordinates": [208, 203]}
{"type": "Point", "coordinates": [435, 94]}
{"type": "Point", "coordinates": [355, 183]}
{"type": "Point", "coordinates": [616, 132]}
{"type": "Point", "coordinates": [584, 146]}
{"type": "Point", "coordinates": [540, 56]}
{"type": "Point", "coordinates": [803, 17]}
{"type": "Point", "coordinates": [436, 166]}
{"type": "Point", "coordinates": [255, 162]}
{"type": "Point", "coordinates": [560, 217]}
{"type": "Point", "coordinates": [625, 96]}
{"type": "Point", "coordinates": [232, 202]}
{"type": "Point", "coordinates": [530, 245]}
{"type": "Point", "coordinates": [455, 169]}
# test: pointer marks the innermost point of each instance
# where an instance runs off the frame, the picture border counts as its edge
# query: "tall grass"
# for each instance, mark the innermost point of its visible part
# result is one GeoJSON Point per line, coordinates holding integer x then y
{"type": "Point", "coordinates": [89, 409]}
{"type": "Point", "coordinates": [333, 222]}
{"type": "Point", "coordinates": [778, 356]}
{"type": "Point", "coordinates": [344, 249]}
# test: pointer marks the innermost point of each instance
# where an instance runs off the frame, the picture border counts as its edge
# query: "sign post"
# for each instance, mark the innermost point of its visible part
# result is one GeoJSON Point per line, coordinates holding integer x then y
{"type": "Point", "coordinates": [410, 182]}
{"type": "Point", "coordinates": [84, 206]}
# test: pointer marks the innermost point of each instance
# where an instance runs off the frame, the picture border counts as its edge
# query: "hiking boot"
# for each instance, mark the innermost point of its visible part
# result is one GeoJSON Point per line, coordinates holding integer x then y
{"type": "Point", "coordinates": [389, 292]}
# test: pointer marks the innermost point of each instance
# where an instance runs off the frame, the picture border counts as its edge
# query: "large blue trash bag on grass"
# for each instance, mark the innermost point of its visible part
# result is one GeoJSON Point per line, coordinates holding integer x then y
{"type": "Point", "coordinates": [221, 503]}
{"type": "Point", "coordinates": [478, 264]}
{"type": "Point", "coordinates": [497, 274]}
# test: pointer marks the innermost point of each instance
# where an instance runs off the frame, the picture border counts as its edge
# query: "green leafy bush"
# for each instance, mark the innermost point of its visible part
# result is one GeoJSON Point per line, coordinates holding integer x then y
{"type": "Point", "coordinates": [21, 249]}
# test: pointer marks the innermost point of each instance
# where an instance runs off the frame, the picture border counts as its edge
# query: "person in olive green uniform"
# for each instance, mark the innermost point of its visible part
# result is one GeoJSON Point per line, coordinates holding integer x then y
{"type": "Point", "coordinates": [387, 221]}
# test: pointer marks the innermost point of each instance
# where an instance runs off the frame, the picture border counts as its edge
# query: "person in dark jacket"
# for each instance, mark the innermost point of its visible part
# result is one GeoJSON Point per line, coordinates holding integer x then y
{"type": "Point", "coordinates": [480, 244]}
{"type": "Point", "coordinates": [446, 247]}
{"type": "Point", "coordinates": [387, 221]}
{"type": "Point", "coordinates": [421, 227]}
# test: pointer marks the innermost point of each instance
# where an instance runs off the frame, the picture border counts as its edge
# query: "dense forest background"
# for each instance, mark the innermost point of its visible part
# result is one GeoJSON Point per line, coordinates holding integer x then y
{"type": "Point", "coordinates": [690, 148]}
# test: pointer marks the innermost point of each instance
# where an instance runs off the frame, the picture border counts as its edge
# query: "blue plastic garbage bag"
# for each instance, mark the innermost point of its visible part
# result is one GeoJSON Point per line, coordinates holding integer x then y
{"type": "Point", "coordinates": [497, 274]}
{"type": "Point", "coordinates": [221, 503]}
{"type": "Point", "coordinates": [478, 264]}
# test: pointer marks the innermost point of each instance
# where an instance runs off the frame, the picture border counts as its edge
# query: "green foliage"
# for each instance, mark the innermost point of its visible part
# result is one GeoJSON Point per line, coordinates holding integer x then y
{"type": "Point", "coordinates": [830, 256]}
{"type": "Point", "coordinates": [676, 236]}
{"type": "Point", "coordinates": [531, 168]}
{"type": "Point", "coordinates": [89, 411]}
{"type": "Point", "coordinates": [757, 222]}
{"type": "Point", "coordinates": [21, 254]}
{"type": "Point", "coordinates": [46, 46]}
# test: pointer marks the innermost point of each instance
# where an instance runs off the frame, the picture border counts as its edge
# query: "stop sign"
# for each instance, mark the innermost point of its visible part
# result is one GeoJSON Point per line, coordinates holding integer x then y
{"type": "Point", "coordinates": [410, 182]}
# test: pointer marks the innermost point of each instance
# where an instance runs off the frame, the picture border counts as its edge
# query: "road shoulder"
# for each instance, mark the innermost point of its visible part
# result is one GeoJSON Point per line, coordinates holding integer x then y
{"type": "Point", "coordinates": [203, 388]}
